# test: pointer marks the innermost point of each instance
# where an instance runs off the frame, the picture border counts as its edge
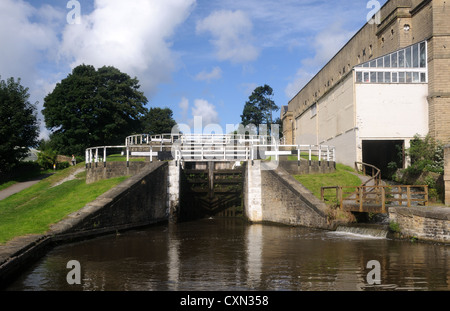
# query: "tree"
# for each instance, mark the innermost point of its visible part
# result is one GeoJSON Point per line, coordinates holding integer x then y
{"type": "Point", "coordinates": [158, 121]}
{"type": "Point", "coordinates": [93, 108]}
{"type": "Point", "coordinates": [258, 109]}
{"type": "Point", "coordinates": [18, 126]}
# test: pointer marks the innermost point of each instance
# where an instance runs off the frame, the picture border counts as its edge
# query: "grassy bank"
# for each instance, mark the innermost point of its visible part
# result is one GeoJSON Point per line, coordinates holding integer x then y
{"type": "Point", "coordinates": [33, 210]}
{"type": "Point", "coordinates": [343, 176]}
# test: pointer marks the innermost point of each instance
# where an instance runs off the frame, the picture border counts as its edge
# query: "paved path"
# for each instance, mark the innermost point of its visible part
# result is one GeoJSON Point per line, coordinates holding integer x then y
{"type": "Point", "coordinates": [19, 187]}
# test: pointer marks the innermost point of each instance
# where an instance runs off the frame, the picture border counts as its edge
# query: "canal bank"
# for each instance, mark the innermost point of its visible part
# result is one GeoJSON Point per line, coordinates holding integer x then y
{"type": "Point", "coordinates": [137, 202]}
{"type": "Point", "coordinates": [142, 200]}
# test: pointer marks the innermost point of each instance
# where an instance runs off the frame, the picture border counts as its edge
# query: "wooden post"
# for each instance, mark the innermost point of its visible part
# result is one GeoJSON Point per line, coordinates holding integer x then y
{"type": "Point", "coordinates": [361, 195]}
{"type": "Point", "coordinates": [408, 195]}
{"type": "Point", "coordinates": [383, 200]}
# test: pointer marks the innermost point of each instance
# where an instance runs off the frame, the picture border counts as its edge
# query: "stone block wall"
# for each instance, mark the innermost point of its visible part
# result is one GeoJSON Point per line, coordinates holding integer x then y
{"type": "Point", "coordinates": [99, 171]}
{"type": "Point", "coordinates": [447, 174]}
{"type": "Point", "coordinates": [286, 201]}
{"type": "Point", "coordinates": [273, 195]}
{"type": "Point", "coordinates": [140, 200]}
{"type": "Point", "coordinates": [315, 167]}
{"type": "Point", "coordinates": [430, 224]}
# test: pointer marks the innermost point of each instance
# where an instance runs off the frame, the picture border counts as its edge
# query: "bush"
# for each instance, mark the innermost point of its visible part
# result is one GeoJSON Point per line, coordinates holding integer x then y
{"type": "Point", "coordinates": [62, 165]}
{"type": "Point", "coordinates": [427, 155]}
{"type": "Point", "coordinates": [47, 159]}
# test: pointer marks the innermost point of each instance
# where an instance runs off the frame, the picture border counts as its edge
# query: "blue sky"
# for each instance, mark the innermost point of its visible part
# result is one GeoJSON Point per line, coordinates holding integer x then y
{"type": "Point", "coordinates": [197, 57]}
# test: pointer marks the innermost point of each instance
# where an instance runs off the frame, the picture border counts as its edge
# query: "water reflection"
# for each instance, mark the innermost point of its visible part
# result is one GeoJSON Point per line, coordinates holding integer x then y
{"type": "Point", "coordinates": [254, 246]}
{"type": "Point", "coordinates": [229, 254]}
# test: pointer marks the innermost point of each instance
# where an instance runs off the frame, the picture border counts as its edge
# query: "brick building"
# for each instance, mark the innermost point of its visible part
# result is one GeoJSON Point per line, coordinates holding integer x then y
{"type": "Point", "coordinates": [390, 82]}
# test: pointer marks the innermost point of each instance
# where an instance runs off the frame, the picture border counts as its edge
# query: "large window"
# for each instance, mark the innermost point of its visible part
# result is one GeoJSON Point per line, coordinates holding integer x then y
{"type": "Point", "coordinates": [407, 65]}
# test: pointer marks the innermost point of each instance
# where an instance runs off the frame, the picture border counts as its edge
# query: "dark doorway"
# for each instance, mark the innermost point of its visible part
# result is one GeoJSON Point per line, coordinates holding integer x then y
{"type": "Point", "coordinates": [387, 155]}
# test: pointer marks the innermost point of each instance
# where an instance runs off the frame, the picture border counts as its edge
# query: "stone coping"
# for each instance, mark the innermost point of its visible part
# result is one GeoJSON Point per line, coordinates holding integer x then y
{"type": "Point", "coordinates": [435, 212]}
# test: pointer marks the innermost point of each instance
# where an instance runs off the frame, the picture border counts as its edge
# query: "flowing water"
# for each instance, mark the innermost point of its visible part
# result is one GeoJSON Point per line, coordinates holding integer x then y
{"type": "Point", "coordinates": [230, 254]}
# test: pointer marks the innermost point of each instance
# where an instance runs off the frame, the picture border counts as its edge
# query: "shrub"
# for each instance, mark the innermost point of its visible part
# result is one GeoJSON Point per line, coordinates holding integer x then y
{"type": "Point", "coordinates": [47, 159]}
{"type": "Point", "coordinates": [427, 155]}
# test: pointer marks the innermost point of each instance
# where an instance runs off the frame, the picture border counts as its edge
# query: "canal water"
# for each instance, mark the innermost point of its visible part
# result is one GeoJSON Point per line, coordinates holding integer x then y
{"type": "Point", "coordinates": [227, 254]}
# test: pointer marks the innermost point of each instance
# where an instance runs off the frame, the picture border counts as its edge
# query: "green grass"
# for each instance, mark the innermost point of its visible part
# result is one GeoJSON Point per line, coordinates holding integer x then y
{"type": "Point", "coordinates": [343, 176]}
{"type": "Point", "coordinates": [33, 210]}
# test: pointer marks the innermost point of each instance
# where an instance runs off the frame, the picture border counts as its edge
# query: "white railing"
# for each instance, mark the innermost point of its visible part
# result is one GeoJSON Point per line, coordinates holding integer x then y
{"type": "Point", "coordinates": [140, 139]}
{"type": "Point", "coordinates": [212, 148]}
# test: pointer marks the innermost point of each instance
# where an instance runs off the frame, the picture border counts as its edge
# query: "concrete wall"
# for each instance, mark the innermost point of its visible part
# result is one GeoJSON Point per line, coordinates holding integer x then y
{"type": "Point", "coordinates": [424, 223]}
{"type": "Point", "coordinates": [275, 196]}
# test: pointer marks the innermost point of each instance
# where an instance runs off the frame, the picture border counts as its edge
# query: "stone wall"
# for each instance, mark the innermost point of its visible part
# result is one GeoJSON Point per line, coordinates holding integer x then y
{"type": "Point", "coordinates": [252, 192]}
{"type": "Point", "coordinates": [447, 174]}
{"type": "Point", "coordinates": [273, 195]}
{"type": "Point", "coordinates": [430, 224]}
{"type": "Point", "coordinates": [140, 200]}
{"type": "Point", "coordinates": [306, 167]}
{"type": "Point", "coordinates": [99, 171]}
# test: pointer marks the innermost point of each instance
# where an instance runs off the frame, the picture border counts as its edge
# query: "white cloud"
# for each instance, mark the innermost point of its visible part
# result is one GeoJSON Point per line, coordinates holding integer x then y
{"type": "Point", "coordinates": [327, 43]}
{"type": "Point", "coordinates": [130, 35]}
{"type": "Point", "coordinates": [184, 106]}
{"type": "Point", "coordinates": [28, 37]}
{"type": "Point", "coordinates": [231, 33]}
{"type": "Point", "coordinates": [215, 74]}
{"type": "Point", "coordinates": [299, 81]}
{"type": "Point", "coordinates": [202, 108]}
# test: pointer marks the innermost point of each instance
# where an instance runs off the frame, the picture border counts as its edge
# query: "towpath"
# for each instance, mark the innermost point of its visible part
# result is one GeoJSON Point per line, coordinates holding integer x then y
{"type": "Point", "coordinates": [19, 187]}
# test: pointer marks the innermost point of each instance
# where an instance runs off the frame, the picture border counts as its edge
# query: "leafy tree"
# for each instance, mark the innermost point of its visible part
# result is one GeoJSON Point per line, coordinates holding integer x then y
{"type": "Point", "coordinates": [158, 121]}
{"type": "Point", "coordinates": [93, 107]}
{"type": "Point", "coordinates": [258, 109]}
{"type": "Point", "coordinates": [18, 126]}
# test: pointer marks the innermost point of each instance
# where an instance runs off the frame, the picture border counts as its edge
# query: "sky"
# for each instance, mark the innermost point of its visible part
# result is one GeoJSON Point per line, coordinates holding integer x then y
{"type": "Point", "coordinates": [200, 58]}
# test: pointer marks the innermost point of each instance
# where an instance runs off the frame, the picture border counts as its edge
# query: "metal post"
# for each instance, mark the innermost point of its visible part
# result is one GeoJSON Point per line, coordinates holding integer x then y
{"type": "Point", "coordinates": [128, 157]}
{"type": "Point", "coordinates": [310, 150]}
{"type": "Point", "coordinates": [104, 157]}
{"type": "Point", "coordinates": [320, 154]}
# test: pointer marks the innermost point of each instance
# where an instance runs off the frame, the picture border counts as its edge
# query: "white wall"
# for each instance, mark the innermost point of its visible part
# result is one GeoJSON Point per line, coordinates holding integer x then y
{"type": "Point", "coordinates": [391, 111]}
